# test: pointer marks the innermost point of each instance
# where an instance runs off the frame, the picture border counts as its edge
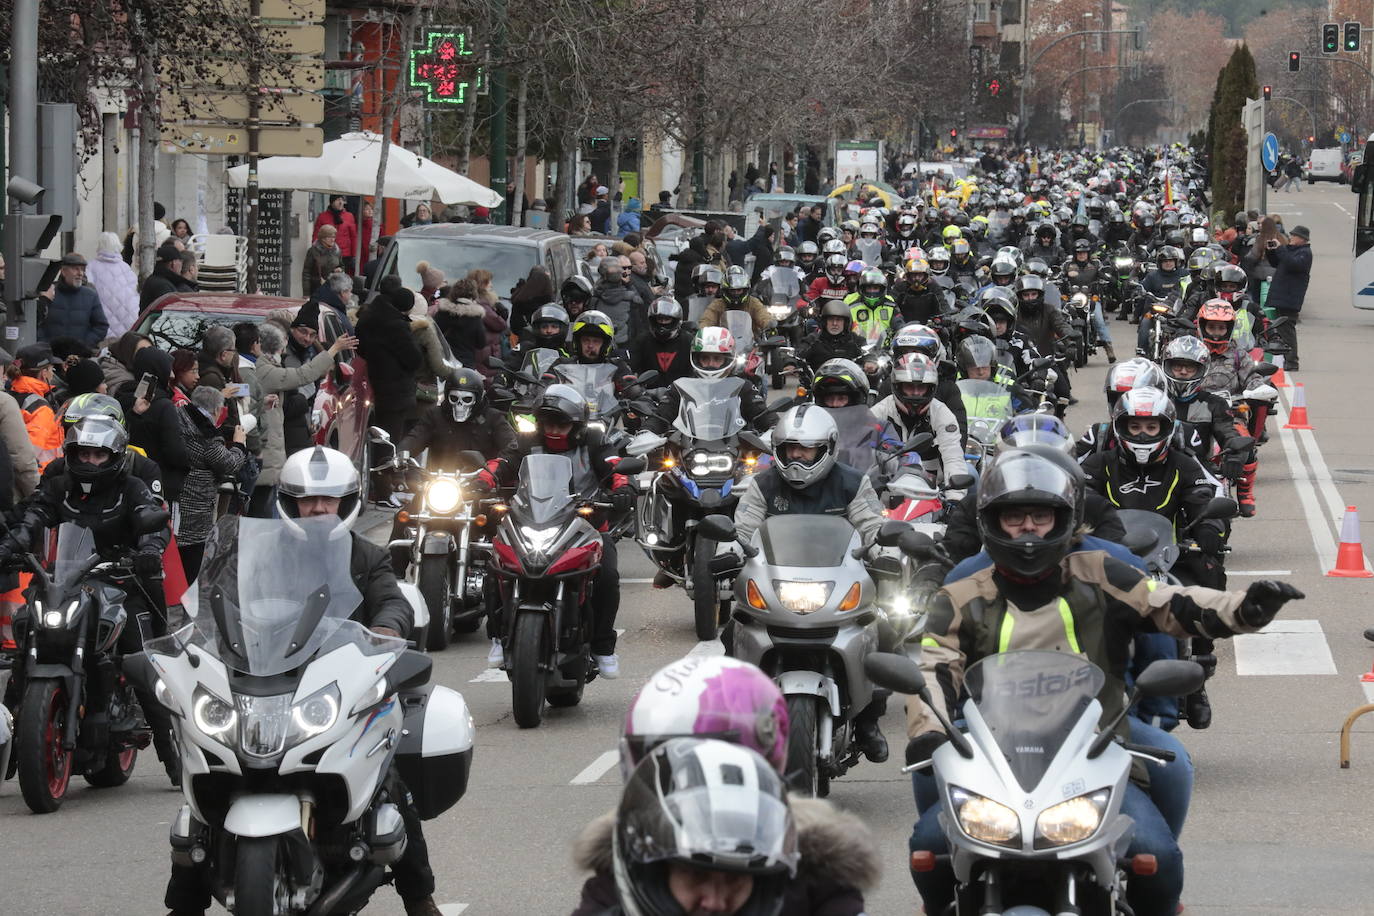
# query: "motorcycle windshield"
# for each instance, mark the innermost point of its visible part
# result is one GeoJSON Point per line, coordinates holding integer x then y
{"type": "Point", "coordinates": [75, 547]}
{"type": "Point", "coordinates": [1030, 701]}
{"type": "Point", "coordinates": [985, 400]}
{"type": "Point", "coordinates": [870, 252]}
{"type": "Point", "coordinates": [784, 287]}
{"type": "Point", "coordinates": [594, 382]}
{"type": "Point", "coordinates": [538, 361]}
{"type": "Point", "coordinates": [1139, 522]}
{"type": "Point", "coordinates": [860, 434]}
{"type": "Point", "coordinates": [545, 489]}
{"type": "Point", "coordinates": [874, 334]}
{"type": "Point", "coordinates": [709, 409]}
{"type": "Point", "coordinates": [741, 326]}
{"type": "Point", "coordinates": [272, 592]}
{"type": "Point", "coordinates": [814, 540]}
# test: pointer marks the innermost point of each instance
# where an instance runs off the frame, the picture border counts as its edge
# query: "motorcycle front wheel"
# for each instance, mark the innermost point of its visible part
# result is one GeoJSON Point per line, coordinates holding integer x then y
{"type": "Point", "coordinates": [526, 673]}
{"type": "Point", "coordinates": [432, 580]}
{"type": "Point", "coordinates": [705, 602]}
{"type": "Point", "coordinates": [259, 888]}
{"type": "Point", "coordinates": [45, 767]}
{"type": "Point", "coordinates": [802, 772]}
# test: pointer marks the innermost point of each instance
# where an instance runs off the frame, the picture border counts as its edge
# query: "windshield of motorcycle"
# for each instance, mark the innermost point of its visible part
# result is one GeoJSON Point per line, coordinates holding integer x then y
{"type": "Point", "coordinates": [986, 400]}
{"type": "Point", "coordinates": [874, 333]}
{"type": "Point", "coordinates": [818, 541]}
{"type": "Point", "coordinates": [860, 433]}
{"type": "Point", "coordinates": [709, 409]}
{"type": "Point", "coordinates": [740, 323]}
{"type": "Point", "coordinates": [1031, 700]}
{"type": "Point", "coordinates": [1162, 553]}
{"type": "Point", "coordinates": [594, 382]}
{"type": "Point", "coordinates": [538, 361]}
{"type": "Point", "coordinates": [545, 489]}
{"type": "Point", "coordinates": [271, 592]}
{"type": "Point", "coordinates": [784, 287]}
{"type": "Point", "coordinates": [75, 546]}
{"type": "Point", "coordinates": [870, 252]}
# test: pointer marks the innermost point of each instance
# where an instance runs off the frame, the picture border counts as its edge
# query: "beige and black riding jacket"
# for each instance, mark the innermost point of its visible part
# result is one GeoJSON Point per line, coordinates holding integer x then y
{"type": "Point", "coordinates": [1096, 613]}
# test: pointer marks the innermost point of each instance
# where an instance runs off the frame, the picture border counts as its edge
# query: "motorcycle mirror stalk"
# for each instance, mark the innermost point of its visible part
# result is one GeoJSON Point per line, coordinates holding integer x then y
{"type": "Point", "coordinates": [902, 675]}
{"type": "Point", "coordinates": [722, 528]}
{"type": "Point", "coordinates": [1165, 677]}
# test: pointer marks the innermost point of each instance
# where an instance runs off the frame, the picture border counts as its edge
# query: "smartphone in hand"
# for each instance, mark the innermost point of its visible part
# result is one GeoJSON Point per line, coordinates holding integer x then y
{"type": "Point", "coordinates": [144, 387]}
{"type": "Point", "coordinates": [241, 390]}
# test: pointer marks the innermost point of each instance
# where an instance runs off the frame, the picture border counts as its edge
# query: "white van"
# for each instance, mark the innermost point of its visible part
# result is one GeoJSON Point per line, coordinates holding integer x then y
{"type": "Point", "coordinates": [1325, 165]}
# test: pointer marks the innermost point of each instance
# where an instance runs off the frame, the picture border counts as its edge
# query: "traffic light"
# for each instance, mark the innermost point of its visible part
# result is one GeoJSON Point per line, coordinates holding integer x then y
{"type": "Point", "coordinates": [954, 133]}
{"type": "Point", "coordinates": [994, 87]}
{"type": "Point", "coordinates": [1294, 61]}
{"type": "Point", "coordinates": [1331, 38]}
{"type": "Point", "coordinates": [27, 235]}
{"type": "Point", "coordinates": [1352, 36]}
{"type": "Point", "coordinates": [1268, 93]}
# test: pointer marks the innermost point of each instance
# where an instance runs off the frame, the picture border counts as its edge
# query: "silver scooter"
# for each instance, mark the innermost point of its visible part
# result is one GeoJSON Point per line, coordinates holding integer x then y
{"type": "Point", "coordinates": [806, 613]}
{"type": "Point", "coordinates": [1030, 789]}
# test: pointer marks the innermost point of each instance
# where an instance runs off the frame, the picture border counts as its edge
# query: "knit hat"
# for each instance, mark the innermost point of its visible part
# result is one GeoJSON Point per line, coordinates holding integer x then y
{"type": "Point", "coordinates": [1302, 231]}
{"type": "Point", "coordinates": [308, 316]}
{"type": "Point", "coordinates": [84, 377]}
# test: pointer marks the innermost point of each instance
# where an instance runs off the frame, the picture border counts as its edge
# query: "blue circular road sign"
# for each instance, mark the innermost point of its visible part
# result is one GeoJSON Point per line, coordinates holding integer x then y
{"type": "Point", "coordinates": [1269, 151]}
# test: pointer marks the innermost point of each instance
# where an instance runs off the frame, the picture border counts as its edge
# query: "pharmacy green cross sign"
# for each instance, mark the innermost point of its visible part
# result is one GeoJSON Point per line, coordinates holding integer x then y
{"type": "Point", "coordinates": [444, 67]}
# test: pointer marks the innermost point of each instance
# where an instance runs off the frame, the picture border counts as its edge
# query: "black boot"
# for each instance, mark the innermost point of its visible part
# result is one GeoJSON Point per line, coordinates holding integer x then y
{"type": "Point", "coordinates": [869, 737]}
{"type": "Point", "coordinates": [1197, 709]}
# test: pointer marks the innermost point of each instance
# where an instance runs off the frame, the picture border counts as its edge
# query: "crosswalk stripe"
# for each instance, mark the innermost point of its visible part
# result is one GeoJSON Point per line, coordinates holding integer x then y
{"type": "Point", "coordinates": [1285, 647]}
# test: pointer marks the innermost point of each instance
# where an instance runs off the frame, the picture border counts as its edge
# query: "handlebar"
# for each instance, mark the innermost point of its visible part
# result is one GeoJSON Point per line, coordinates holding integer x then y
{"type": "Point", "coordinates": [1145, 750]}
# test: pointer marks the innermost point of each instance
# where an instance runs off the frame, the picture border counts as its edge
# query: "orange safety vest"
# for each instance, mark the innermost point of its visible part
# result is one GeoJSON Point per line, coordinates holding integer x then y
{"type": "Point", "coordinates": [39, 419]}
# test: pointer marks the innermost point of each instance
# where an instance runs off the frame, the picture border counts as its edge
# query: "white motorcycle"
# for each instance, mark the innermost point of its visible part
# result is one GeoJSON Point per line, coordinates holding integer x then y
{"type": "Point", "coordinates": [290, 716]}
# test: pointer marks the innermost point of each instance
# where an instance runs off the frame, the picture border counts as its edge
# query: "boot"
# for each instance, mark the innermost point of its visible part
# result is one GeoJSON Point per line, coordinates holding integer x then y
{"type": "Point", "coordinates": [663, 580]}
{"type": "Point", "coordinates": [1111, 354]}
{"type": "Point", "coordinates": [1197, 709]}
{"type": "Point", "coordinates": [870, 739]}
{"type": "Point", "coordinates": [424, 906]}
{"type": "Point", "coordinates": [1245, 490]}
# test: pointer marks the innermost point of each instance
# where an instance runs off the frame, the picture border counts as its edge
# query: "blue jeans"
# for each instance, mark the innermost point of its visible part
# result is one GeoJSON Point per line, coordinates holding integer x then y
{"type": "Point", "coordinates": [1156, 895]}
{"type": "Point", "coordinates": [1104, 336]}
{"type": "Point", "coordinates": [1142, 334]}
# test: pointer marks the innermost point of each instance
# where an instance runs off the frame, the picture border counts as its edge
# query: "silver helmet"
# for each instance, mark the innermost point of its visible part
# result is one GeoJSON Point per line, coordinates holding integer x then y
{"type": "Point", "coordinates": [319, 471]}
{"type": "Point", "coordinates": [807, 426]}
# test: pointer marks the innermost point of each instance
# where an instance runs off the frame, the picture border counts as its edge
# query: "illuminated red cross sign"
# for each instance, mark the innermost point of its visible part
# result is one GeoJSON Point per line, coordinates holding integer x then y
{"type": "Point", "coordinates": [443, 67]}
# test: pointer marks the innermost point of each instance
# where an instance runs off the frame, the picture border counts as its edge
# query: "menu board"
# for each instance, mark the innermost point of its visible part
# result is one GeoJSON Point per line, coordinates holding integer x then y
{"type": "Point", "coordinates": [274, 242]}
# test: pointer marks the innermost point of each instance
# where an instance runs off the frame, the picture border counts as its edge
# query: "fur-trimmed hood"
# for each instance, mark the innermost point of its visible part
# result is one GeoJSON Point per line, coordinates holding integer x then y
{"type": "Point", "coordinates": [462, 308]}
{"type": "Point", "coordinates": [834, 844]}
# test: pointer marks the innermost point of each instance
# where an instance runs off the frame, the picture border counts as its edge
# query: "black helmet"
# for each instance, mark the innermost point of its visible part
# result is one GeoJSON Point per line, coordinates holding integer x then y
{"type": "Point", "coordinates": [1023, 479]}
{"type": "Point", "coordinates": [834, 308]}
{"type": "Point", "coordinates": [975, 352]}
{"type": "Point", "coordinates": [550, 324]}
{"type": "Point", "coordinates": [1170, 252]}
{"type": "Point", "coordinates": [1083, 245]}
{"type": "Point", "coordinates": [575, 289]}
{"type": "Point", "coordinates": [465, 392]}
{"type": "Point", "coordinates": [561, 404]}
{"type": "Point", "coordinates": [665, 318]}
{"type": "Point", "coordinates": [1030, 292]}
{"type": "Point", "coordinates": [736, 286]}
{"type": "Point", "coordinates": [840, 376]}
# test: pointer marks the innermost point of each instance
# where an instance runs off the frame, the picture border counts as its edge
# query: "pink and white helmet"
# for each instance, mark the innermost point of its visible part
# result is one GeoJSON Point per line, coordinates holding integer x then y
{"type": "Point", "coordinates": [707, 697]}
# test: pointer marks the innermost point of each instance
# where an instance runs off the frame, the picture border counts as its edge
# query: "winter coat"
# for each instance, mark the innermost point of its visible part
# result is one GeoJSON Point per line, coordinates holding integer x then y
{"type": "Point", "coordinates": [696, 253]}
{"type": "Point", "coordinates": [818, 347]}
{"type": "Point", "coordinates": [436, 431]}
{"type": "Point", "coordinates": [839, 863]}
{"type": "Point", "coordinates": [626, 223]}
{"type": "Point", "coordinates": [393, 357]}
{"type": "Point", "coordinates": [251, 405]}
{"type": "Point", "coordinates": [161, 282]}
{"type": "Point", "coordinates": [158, 430]}
{"type": "Point", "coordinates": [714, 316]}
{"type": "Point", "coordinates": [320, 262]}
{"type": "Point", "coordinates": [211, 462]}
{"type": "Point", "coordinates": [762, 250]}
{"type": "Point", "coordinates": [276, 383]}
{"type": "Point", "coordinates": [117, 375]}
{"type": "Point", "coordinates": [75, 312]}
{"type": "Point", "coordinates": [347, 239]}
{"type": "Point", "coordinates": [23, 459]}
{"type": "Point", "coordinates": [619, 301]}
{"type": "Point", "coordinates": [431, 347]}
{"type": "Point", "coordinates": [601, 217]}
{"type": "Point", "coordinates": [117, 287]}
{"type": "Point", "coordinates": [466, 325]}
{"type": "Point", "coordinates": [1292, 271]}
{"type": "Point", "coordinates": [33, 397]}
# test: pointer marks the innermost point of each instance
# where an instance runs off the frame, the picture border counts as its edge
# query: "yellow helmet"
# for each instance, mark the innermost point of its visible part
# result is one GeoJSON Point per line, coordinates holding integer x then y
{"type": "Point", "coordinates": [950, 233]}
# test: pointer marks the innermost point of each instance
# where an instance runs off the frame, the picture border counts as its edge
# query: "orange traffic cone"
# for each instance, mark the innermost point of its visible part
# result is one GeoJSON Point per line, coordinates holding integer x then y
{"type": "Point", "coordinates": [1297, 417]}
{"type": "Point", "coordinates": [1350, 555]}
{"type": "Point", "coordinates": [1278, 379]}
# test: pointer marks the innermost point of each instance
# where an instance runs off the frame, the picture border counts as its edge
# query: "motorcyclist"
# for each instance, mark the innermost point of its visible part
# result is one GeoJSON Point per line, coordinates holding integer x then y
{"type": "Point", "coordinates": [561, 429]}
{"type": "Point", "coordinates": [1136, 372]}
{"type": "Point", "coordinates": [322, 482]}
{"type": "Point", "coordinates": [593, 344]}
{"type": "Point", "coordinates": [808, 262]}
{"type": "Point", "coordinates": [712, 357]}
{"type": "Point", "coordinates": [912, 408]}
{"type": "Point", "coordinates": [575, 295]}
{"type": "Point", "coordinates": [735, 295]}
{"type": "Point", "coordinates": [1040, 595]}
{"type": "Point", "coordinates": [919, 338]}
{"type": "Point", "coordinates": [548, 329]}
{"type": "Point", "coordinates": [1043, 244]}
{"type": "Point", "coordinates": [916, 299]}
{"type": "Point", "coordinates": [1015, 348]}
{"type": "Point", "coordinates": [665, 347]}
{"type": "Point", "coordinates": [871, 307]}
{"type": "Point", "coordinates": [1044, 325]}
{"type": "Point", "coordinates": [829, 283]}
{"type": "Point", "coordinates": [962, 263]}
{"type": "Point", "coordinates": [1230, 370]}
{"type": "Point", "coordinates": [905, 236]}
{"type": "Point", "coordinates": [833, 337]}
{"type": "Point", "coordinates": [1205, 418]}
{"type": "Point", "coordinates": [731, 700]}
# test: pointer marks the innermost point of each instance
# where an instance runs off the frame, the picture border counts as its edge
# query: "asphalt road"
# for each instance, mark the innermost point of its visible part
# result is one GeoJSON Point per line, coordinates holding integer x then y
{"type": "Point", "coordinates": [1276, 827]}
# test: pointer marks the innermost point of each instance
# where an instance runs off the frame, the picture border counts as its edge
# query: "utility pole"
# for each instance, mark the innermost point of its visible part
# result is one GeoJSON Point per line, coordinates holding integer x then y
{"type": "Point", "coordinates": [23, 156]}
{"type": "Point", "coordinates": [499, 173]}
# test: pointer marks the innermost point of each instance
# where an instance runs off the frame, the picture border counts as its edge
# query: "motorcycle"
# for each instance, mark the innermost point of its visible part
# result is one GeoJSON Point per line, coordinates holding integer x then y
{"type": "Point", "coordinates": [806, 613]}
{"type": "Point", "coordinates": [1030, 790]}
{"type": "Point", "coordinates": [875, 360]}
{"type": "Point", "coordinates": [788, 314]}
{"type": "Point", "coordinates": [290, 717]}
{"type": "Point", "coordinates": [706, 459]}
{"type": "Point", "coordinates": [988, 405]}
{"type": "Point", "coordinates": [545, 554]}
{"type": "Point", "coordinates": [1078, 310]}
{"type": "Point", "coordinates": [77, 713]}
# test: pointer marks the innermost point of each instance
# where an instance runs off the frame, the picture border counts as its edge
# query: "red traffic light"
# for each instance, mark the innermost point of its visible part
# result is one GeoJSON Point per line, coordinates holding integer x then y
{"type": "Point", "coordinates": [994, 87]}
{"type": "Point", "coordinates": [1268, 93]}
{"type": "Point", "coordinates": [953, 133]}
{"type": "Point", "coordinates": [1294, 60]}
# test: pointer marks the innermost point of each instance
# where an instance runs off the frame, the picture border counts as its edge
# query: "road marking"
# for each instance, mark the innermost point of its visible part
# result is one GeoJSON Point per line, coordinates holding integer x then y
{"type": "Point", "coordinates": [452, 909]}
{"type": "Point", "coordinates": [707, 648]}
{"type": "Point", "coordinates": [1259, 572]}
{"type": "Point", "coordinates": [491, 676]}
{"type": "Point", "coordinates": [635, 581]}
{"type": "Point", "coordinates": [1342, 209]}
{"type": "Point", "coordinates": [1322, 540]}
{"type": "Point", "coordinates": [596, 769]}
{"type": "Point", "coordinates": [1285, 647]}
{"type": "Point", "coordinates": [1325, 484]}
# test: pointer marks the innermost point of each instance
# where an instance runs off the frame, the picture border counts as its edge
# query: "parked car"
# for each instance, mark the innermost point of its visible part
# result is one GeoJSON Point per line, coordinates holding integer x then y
{"type": "Point", "coordinates": [344, 400]}
{"type": "Point", "coordinates": [1325, 165]}
{"type": "Point", "coordinates": [456, 248]}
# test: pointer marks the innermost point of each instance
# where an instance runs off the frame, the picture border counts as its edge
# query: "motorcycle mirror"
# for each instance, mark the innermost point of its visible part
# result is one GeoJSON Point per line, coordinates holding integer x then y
{"type": "Point", "coordinates": [774, 342]}
{"type": "Point", "coordinates": [1140, 541]}
{"type": "Point", "coordinates": [895, 672]}
{"type": "Point", "coordinates": [717, 527]}
{"type": "Point", "coordinates": [502, 394]}
{"type": "Point", "coordinates": [377, 435]}
{"type": "Point", "coordinates": [470, 460]}
{"type": "Point", "coordinates": [1220, 507]}
{"type": "Point", "coordinates": [753, 440]}
{"type": "Point", "coordinates": [631, 465]}
{"type": "Point", "coordinates": [891, 533]}
{"type": "Point", "coordinates": [139, 671]}
{"type": "Point", "coordinates": [960, 481]}
{"type": "Point", "coordinates": [1042, 362]}
{"type": "Point", "coordinates": [151, 521]}
{"type": "Point", "coordinates": [646, 377]}
{"type": "Point", "coordinates": [411, 670]}
{"type": "Point", "coordinates": [496, 362]}
{"type": "Point", "coordinates": [1170, 677]}
{"type": "Point", "coordinates": [916, 544]}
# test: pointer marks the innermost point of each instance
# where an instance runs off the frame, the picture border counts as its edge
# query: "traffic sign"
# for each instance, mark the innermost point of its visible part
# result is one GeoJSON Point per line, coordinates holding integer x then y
{"type": "Point", "coordinates": [1343, 136]}
{"type": "Point", "coordinates": [222, 106]}
{"type": "Point", "coordinates": [232, 140]}
{"type": "Point", "coordinates": [1269, 152]}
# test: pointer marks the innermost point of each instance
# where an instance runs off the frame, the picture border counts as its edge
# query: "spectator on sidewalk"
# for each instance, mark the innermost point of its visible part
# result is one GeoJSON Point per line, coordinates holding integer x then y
{"type": "Point", "coordinates": [345, 228]}
{"type": "Point", "coordinates": [165, 278]}
{"type": "Point", "coordinates": [115, 284]}
{"type": "Point", "coordinates": [1292, 265]}
{"type": "Point", "coordinates": [74, 308]}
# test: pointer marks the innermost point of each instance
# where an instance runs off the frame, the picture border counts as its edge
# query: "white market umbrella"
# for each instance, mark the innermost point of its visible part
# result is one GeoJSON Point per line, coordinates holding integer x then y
{"type": "Point", "coordinates": [348, 165]}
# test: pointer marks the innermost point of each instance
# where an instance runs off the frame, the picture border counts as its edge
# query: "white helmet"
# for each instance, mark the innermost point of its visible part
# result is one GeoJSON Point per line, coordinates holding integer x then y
{"type": "Point", "coordinates": [713, 341]}
{"type": "Point", "coordinates": [812, 427]}
{"type": "Point", "coordinates": [319, 471]}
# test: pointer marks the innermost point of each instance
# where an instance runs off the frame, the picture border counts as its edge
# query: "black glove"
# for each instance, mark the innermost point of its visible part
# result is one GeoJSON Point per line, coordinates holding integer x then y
{"type": "Point", "coordinates": [148, 565]}
{"type": "Point", "coordinates": [1209, 538]}
{"type": "Point", "coordinates": [1263, 599]}
{"type": "Point", "coordinates": [1232, 466]}
{"type": "Point", "coordinates": [623, 499]}
{"type": "Point", "coordinates": [923, 745]}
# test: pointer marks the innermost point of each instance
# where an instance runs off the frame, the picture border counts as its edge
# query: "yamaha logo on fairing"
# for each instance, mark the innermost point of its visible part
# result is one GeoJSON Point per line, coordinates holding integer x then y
{"type": "Point", "coordinates": [1034, 749]}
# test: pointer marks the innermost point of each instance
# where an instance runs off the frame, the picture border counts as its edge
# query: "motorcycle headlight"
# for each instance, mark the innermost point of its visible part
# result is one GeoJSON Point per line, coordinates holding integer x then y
{"type": "Point", "coordinates": [702, 464]}
{"type": "Point", "coordinates": [984, 819]}
{"type": "Point", "coordinates": [1123, 263]}
{"type": "Point", "coordinates": [1072, 821]}
{"type": "Point", "coordinates": [265, 722]}
{"type": "Point", "coordinates": [314, 715]}
{"type": "Point", "coordinates": [443, 496]}
{"type": "Point", "coordinates": [803, 597]}
{"type": "Point", "coordinates": [779, 312]}
{"type": "Point", "coordinates": [213, 716]}
{"type": "Point", "coordinates": [525, 424]}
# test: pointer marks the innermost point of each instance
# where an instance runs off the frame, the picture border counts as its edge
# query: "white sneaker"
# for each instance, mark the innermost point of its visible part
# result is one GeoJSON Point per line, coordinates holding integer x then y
{"type": "Point", "coordinates": [608, 666]}
{"type": "Point", "coordinates": [497, 656]}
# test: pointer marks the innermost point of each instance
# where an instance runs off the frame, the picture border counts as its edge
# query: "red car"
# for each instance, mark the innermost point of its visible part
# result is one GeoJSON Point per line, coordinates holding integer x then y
{"type": "Point", "coordinates": [344, 400]}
